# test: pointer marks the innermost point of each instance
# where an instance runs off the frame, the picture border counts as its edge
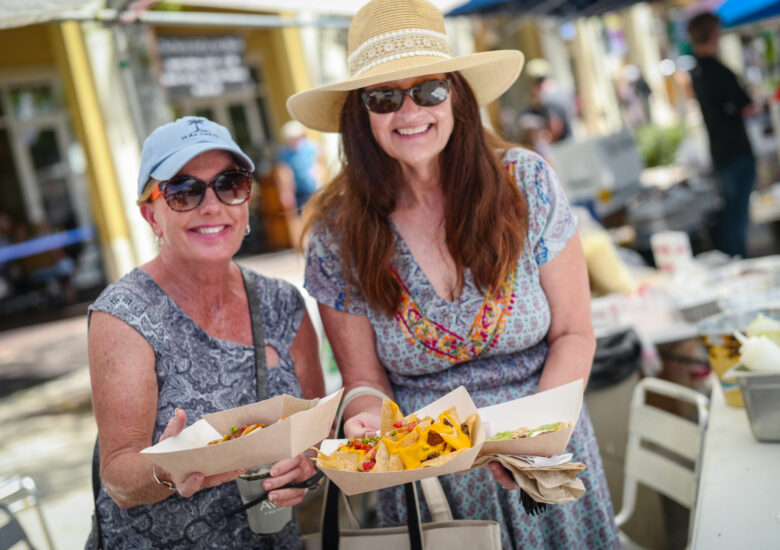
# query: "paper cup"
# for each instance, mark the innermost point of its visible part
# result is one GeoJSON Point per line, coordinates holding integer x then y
{"type": "Point", "coordinates": [671, 250]}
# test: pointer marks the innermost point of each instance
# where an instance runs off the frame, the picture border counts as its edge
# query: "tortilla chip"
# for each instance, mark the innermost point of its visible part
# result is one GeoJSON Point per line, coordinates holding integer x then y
{"type": "Point", "coordinates": [471, 423]}
{"type": "Point", "coordinates": [425, 422]}
{"type": "Point", "coordinates": [442, 459]}
{"type": "Point", "coordinates": [339, 460]}
{"type": "Point", "coordinates": [390, 414]}
{"type": "Point", "coordinates": [410, 438]}
{"type": "Point", "coordinates": [452, 411]}
{"type": "Point", "coordinates": [395, 464]}
{"type": "Point", "coordinates": [382, 458]}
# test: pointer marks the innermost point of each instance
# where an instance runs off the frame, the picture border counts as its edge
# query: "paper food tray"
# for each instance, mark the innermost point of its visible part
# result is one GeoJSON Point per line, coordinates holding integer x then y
{"type": "Point", "coordinates": [306, 423]}
{"type": "Point", "coordinates": [561, 404]}
{"type": "Point", "coordinates": [352, 483]}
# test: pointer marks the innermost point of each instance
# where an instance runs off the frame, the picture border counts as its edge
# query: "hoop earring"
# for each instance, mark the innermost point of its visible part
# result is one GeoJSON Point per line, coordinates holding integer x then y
{"type": "Point", "coordinates": [159, 240]}
{"type": "Point", "coordinates": [248, 230]}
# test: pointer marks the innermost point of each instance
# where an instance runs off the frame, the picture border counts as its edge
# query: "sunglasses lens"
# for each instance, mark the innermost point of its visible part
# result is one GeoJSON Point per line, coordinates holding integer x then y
{"type": "Point", "coordinates": [383, 101]}
{"type": "Point", "coordinates": [233, 187]}
{"type": "Point", "coordinates": [183, 193]}
{"type": "Point", "coordinates": [430, 92]}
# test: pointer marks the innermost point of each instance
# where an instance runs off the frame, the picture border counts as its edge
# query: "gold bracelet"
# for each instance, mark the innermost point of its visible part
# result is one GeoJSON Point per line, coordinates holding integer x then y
{"type": "Point", "coordinates": [164, 483]}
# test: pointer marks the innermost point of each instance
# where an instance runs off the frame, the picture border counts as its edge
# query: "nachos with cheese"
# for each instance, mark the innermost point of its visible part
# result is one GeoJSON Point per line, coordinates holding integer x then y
{"type": "Point", "coordinates": [404, 443]}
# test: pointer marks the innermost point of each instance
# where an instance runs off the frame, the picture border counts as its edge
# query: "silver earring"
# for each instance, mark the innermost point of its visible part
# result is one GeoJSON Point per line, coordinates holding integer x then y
{"type": "Point", "coordinates": [248, 229]}
{"type": "Point", "coordinates": [159, 240]}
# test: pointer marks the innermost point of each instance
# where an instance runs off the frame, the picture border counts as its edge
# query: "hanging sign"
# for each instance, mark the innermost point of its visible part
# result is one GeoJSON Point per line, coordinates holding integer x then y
{"type": "Point", "coordinates": [202, 66]}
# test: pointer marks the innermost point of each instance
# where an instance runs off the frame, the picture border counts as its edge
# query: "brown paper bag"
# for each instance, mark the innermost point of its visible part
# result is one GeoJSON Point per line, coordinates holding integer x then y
{"type": "Point", "coordinates": [548, 484]}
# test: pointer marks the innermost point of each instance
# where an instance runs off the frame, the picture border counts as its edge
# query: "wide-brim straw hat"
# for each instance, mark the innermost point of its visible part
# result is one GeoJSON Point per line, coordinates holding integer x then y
{"type": "Point", "coordinates": [398, 39]}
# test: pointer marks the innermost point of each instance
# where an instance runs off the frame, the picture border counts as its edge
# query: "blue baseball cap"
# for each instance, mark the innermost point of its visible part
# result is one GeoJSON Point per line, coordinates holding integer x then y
{"type": "Point", "coordinates": [173, 145]}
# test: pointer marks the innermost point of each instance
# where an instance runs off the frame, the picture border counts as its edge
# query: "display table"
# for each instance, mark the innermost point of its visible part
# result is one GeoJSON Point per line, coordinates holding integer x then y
{"type": "Point", "coordinates": [738, 504]}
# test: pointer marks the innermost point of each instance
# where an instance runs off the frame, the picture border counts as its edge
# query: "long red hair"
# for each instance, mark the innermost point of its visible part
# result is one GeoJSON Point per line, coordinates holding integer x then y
{"type": "Point", "coordinates": [486, 216]}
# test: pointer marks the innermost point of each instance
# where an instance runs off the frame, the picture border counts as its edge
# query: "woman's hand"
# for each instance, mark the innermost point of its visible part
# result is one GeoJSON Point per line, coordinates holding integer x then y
{"type": "Point", "coordinates": [290, 470]}
{"type": "Point", "coordinates": [193, 483]}
{"type": "Point", "coordinates": [361, 425]}
{"type": "Point", "coordinates": [502, 476]}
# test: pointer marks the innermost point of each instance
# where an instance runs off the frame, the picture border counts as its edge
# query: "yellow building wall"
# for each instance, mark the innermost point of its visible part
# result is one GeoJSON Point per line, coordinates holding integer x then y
{"type": "Point", "coordinates": [89, 126]}
{"type": "Point", "coordinates": [284, 67]}
{"type": "Point", "coordinates": [25, 47]}
{"type": "Point", "coordinates": [60, 47]}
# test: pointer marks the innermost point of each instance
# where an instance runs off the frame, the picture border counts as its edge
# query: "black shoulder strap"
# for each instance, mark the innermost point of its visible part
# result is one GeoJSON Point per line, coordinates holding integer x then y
{"type": "Point", "coordinates": [98, 540]}
{"type": "Point", "coordinates": [330, 517]}
{"type": "Point", "coordinates": [258, 335]}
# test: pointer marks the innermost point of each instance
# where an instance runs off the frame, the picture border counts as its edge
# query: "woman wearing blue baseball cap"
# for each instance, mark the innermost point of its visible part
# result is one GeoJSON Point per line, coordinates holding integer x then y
{"type": "Point", "coordinates": [174, 339]}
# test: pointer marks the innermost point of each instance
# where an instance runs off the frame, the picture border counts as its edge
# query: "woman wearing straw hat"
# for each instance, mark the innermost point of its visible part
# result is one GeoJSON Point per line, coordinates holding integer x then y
{"type": "Point", "coordinates": [443, 257]}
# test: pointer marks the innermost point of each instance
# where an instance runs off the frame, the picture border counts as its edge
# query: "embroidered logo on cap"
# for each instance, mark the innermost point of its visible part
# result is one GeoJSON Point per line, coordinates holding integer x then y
{"type": "Point", "coordinates": [198, 131]}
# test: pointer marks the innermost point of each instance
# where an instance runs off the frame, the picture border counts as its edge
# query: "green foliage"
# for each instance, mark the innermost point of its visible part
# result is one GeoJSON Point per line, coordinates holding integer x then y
{"type": "Point", "coordinates": [658, 144]}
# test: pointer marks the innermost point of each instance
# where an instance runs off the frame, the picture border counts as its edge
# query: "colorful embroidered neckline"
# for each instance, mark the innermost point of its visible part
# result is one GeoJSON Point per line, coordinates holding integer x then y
{"type": "Point", "coordinates": [445, 344]}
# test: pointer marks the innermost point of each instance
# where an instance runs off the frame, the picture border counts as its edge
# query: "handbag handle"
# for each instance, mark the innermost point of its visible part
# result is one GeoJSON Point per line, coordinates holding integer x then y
{"type": "Point", "coordinates": [437, 502]}
{"type": "Point", "coordinates": [330, 515]}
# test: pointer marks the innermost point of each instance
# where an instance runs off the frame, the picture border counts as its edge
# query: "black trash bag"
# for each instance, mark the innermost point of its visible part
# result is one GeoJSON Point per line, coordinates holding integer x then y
{"type": "Point", "coordinates": [618, 356]}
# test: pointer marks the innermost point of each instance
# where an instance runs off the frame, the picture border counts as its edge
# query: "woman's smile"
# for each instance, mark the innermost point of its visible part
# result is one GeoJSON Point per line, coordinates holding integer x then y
{"type": "Point", "coordinates": [409, 131]}
{"type": "Point", "coordinates": [209, 229]}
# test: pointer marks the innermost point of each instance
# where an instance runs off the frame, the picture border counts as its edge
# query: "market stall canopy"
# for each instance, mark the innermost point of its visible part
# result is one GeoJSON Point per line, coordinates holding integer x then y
{"type": "Point", "coordinates": [331, 7]}
{"type": "Point", "coordinates": [16, 13]}
{"type": "Point", "coordinates": [559, 8]}
{"type": "Point", "coordinates": [738, 12]}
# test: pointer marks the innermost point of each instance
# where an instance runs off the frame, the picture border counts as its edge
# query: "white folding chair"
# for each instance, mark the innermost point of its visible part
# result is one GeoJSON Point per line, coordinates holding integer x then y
{"type": "Point", "coordinates": [11, 531]}
{"type": "Point", "coordinates": [18, 493]}
{"type": "Point", "coordinates": [661, 447]}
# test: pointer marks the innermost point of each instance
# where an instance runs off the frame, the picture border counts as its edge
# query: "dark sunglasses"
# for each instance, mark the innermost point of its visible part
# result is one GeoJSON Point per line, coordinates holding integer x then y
{"type": "Point", "coordinates": [424, 94]}
{"type": "Point", "coordinates": [184, 193]}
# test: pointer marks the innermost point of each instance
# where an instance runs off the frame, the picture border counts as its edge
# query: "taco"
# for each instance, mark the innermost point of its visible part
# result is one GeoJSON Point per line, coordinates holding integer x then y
{"type": "Point", "coordinates": [234, 433]}
{"type": "Point", "coordinates": [524, 432]}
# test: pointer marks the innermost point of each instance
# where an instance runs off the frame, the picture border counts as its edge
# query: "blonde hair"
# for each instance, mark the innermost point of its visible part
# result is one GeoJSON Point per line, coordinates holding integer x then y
{"type": "Point", "coordinates": [148, 188]}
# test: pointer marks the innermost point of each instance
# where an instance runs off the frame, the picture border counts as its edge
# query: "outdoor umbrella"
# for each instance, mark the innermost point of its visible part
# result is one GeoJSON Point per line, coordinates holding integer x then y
{"type": "Point", "coordinates": [738, 12]}
{"type": "Point", "coordinates": [561, 8]}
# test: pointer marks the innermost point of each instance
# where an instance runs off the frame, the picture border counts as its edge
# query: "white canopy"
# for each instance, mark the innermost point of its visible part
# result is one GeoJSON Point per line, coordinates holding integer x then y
{"type": "Point", "coordinates": [16, 13]}
{"type": "Point", "coordinates": [331, 7]}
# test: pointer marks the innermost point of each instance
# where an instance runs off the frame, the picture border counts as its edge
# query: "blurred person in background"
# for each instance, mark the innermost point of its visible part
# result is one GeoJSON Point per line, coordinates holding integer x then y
{"type": "Point", "coordinates": [441, 256]}
{"type": "Point", "coordinates": [303, 157]}
{"type": "Point", "coordinates": [173, 340]}
{"type": "Point", "coordinates": [549, 100]}
{"type": "Point", "coordinates": [724, 106]}
{"type": "Point", "coordinates": [533, 134]}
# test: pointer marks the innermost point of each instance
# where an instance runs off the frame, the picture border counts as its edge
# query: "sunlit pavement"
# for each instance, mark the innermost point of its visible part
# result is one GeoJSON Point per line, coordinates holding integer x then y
{"type": "Point", "coordinates": [48, 431]}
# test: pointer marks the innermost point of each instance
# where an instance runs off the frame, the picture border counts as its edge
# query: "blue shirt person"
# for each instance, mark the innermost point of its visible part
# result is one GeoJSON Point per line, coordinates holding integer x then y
{"type": "Point", "coordinates": [301, 154]}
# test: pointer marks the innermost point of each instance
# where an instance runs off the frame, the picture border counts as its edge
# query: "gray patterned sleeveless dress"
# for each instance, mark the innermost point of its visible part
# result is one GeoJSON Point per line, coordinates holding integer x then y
{"type": "Point", "coordinates": [494, 346]}
{"type": "Point", "coordinates": [199, 374]}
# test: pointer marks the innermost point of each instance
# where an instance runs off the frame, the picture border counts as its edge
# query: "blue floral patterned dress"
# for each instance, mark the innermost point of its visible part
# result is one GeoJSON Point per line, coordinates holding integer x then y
{"type": "Point", "coordinates": [199, 374]}
{"type": "Point", "coordinates": [493, 346]}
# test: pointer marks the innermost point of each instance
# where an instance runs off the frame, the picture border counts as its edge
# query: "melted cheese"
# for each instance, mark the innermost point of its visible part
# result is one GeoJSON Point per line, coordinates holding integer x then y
{"type": "Point", "coordinates": [412, 454]}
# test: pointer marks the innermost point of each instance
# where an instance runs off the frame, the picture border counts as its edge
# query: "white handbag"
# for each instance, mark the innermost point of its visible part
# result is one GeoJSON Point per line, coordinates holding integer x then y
{"type": "Point", "coordinates": [444, 533]}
